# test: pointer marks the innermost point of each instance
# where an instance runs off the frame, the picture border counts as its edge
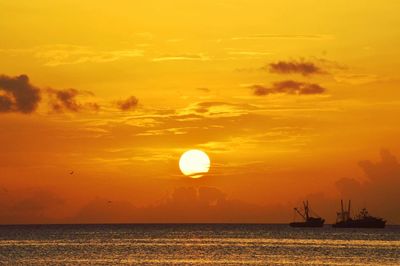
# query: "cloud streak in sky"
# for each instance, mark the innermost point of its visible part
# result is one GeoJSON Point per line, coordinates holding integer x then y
{"type": "Point", "coordinates": [182, 57]}
{"type": "Point", "coordinates": [285, 36]}
{"type": "Point", "coordinates": [56, 55]}
{"type": "Point", "coordinates": [288, 87]}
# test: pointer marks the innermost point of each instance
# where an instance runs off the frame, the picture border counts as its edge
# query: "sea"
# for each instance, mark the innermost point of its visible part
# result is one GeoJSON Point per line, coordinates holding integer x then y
{"type": "Point", "coordinates": [197, 244]}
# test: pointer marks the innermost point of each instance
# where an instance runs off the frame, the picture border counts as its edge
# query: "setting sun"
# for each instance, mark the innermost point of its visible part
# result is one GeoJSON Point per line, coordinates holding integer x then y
{"type": "Point", "coordinates": [111, 112]}
{"type": "Point", "coordinates": [194, 163]}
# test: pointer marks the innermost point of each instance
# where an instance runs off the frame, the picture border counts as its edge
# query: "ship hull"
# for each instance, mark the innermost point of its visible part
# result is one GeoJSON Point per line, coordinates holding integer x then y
{"type": "Point", "coordinates": [360, 224]}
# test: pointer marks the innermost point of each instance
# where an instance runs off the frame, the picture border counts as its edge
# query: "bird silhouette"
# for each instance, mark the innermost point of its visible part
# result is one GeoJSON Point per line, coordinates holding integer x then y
{"type": "Point", "coordinates": [72, 172]}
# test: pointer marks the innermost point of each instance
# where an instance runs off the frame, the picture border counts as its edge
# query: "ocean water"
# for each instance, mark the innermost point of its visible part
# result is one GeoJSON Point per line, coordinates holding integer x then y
{"type": "Point", "coordinates": [197, 244]}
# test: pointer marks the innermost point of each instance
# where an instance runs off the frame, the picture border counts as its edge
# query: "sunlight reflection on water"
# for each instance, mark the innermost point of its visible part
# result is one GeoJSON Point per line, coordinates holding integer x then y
{"type": "Point", "coordinates": [197, 244]}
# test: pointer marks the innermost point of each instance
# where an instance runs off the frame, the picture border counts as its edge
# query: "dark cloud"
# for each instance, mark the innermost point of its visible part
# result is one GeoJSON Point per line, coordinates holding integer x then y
{"type": "Point", "coordinates": [66, 100]}
{"type": "Point", "coordinates": [288, 87]}
{"type": "Point", "coordinates": [6, 104]}
{"type": "Point", "coordinates": [184, 205]}
{"type": "Point", "coordinates": [29, 206]}
{"type": "Point", "coordinates": [295, 67]}
{"type": "Point", "coordinates": [128, 104]}
{"type": "Point", "coordinates": [211, 196]}
{"type": "Point", "coordinates": [38, 201]}
{"type": "Point", "coordinates": [260, 90]}
{"type": "Point", "coordinates": [18, 95]}
{"type": "Point", "coordinates": [380, 192]}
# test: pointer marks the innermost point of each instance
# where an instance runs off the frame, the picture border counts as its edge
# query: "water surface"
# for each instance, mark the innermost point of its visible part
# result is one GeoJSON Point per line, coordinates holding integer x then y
{"type": "Point", "coordinates": [197, 244]}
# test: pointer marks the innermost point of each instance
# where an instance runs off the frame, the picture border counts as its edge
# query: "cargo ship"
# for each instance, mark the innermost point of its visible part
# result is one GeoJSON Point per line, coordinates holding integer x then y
{"type": "Point", "coordinates": [308, 221]}
{"type": "Point", "coordinates": [362, 220]}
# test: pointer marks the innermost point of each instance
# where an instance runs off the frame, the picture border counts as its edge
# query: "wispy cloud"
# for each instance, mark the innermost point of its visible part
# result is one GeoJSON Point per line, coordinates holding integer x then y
{"type": "Point", "coordinates": [249, 53]}
{"type": "Point", "coordinates": [183, 57]}
{"type": "Point", "coordinates": [66, 54]}
{"type": "Point", "coordinates": [56, 55]}
{"type": "Point", "coordinates": [359, 79]}
{"type": "Point", "coordinates": [203, 89]}
{"type": "Point", "coordinates": [285, 36]}
{"type": "Point", "coordinates": [218, 109]}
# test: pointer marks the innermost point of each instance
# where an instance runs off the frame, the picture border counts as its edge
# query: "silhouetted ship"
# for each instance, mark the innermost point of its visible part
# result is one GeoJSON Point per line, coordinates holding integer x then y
{"type": "Point", "coordinates": [362, 220]}
{"type": "Point", "coordinates": [308, 221]}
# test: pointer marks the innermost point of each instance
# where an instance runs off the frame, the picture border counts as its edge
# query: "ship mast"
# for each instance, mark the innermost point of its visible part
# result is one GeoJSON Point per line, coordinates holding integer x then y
{"type": "Point", "coordinates": [305, 204]}
{"type": "Point", "coordinates": [348, 210]}
{"type": "Point", "coordinates": [342, 210]}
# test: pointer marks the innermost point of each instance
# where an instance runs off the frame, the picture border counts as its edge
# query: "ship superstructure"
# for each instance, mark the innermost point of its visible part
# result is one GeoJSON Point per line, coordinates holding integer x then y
{"type": "Point", "coordinates": [362, 220]}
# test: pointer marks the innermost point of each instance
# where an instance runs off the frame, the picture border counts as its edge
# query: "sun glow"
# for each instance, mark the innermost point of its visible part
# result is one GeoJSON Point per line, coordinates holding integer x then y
{"type": "Point", "coordinates": [194, 163]}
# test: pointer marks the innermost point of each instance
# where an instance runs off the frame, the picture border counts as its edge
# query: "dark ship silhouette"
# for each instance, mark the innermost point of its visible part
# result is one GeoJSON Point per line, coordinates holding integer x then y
{"type": "Point", "coordinates": [362, 220]}
{"type": "Point", "coordinates": [308, 221]}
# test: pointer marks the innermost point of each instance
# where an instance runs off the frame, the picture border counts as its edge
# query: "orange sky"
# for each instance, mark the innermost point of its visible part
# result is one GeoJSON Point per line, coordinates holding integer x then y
{"type": "Point", "coordinates": [286, 97]}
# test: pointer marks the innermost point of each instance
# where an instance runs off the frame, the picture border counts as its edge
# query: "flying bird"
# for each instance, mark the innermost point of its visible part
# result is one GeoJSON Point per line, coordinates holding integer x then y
{"type": "Point", "coordinates": [72, 172]}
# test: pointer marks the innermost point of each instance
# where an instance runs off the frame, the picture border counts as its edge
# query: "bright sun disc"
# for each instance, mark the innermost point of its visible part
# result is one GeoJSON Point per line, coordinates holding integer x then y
{"type": "Point", "coordinates": [194, 163]}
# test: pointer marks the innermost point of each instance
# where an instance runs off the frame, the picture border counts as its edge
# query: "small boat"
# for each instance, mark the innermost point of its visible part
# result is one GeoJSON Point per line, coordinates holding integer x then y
{"type": "Point", "coordinates": [362, 220]}
{"type": "Point", "coordinates": [308, 221]}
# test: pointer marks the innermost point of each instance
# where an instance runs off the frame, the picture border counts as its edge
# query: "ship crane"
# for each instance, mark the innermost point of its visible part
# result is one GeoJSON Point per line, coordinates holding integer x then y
{"type": "Point", "coordinates": [308, 221]}
{"type": "Point", "coordinates": [297, 210]}
{"type": "Point", "coordinates": [306, 210]}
